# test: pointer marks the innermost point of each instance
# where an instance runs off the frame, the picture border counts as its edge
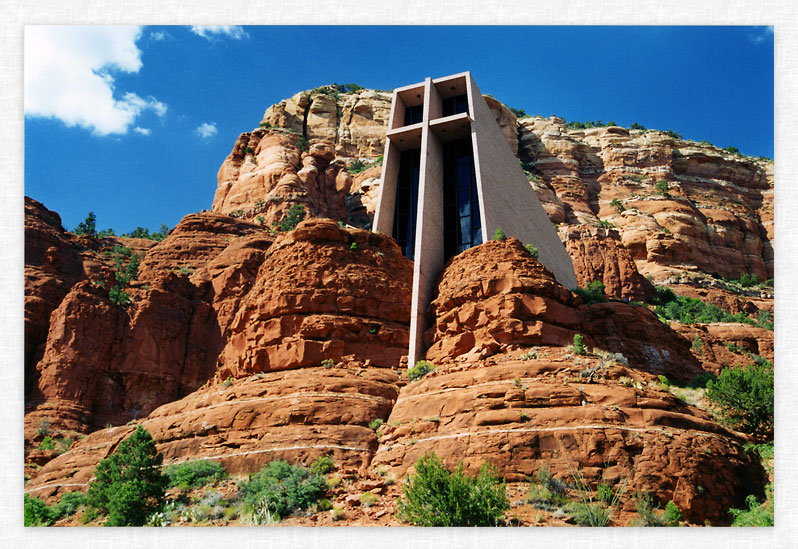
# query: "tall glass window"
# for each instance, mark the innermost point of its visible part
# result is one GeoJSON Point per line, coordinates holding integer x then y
{"type": "Point", "coordinates": [455, 105]}
{"type": "Point", "coordinates": [404, 219]}
{"type": "Point", "coordinates": [462, 226]}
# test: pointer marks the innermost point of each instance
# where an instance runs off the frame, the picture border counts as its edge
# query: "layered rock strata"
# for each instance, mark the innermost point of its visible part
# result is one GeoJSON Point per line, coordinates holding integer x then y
{"type": "Point", "coordinates": [613, 424]}
{"type": "Point", "coordinates": [496, 297]}
{"type": "Point", "coordinates": [296, 415]}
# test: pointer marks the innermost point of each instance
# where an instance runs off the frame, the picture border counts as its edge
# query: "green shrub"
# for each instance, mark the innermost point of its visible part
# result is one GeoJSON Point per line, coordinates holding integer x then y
{"type": "Point", "coordinates": [499, 234]}
{"type": "Point", "coordinates": [636, 126]}
{"type": "Point", "coordinates": [578, 347]}
{"type": "Point", "coordinates": [520, 113]}
{"type": "Point", "coordinates": [672, 515]}
{"type": "Point", "coordinates": [296, 213]}
{"type": "Point", "coordinates": [532, 250]}
{"type": "Point", "coordinates": [119, 297]}
{"type": "Point", "coordinates": [193, 474]}
{"type": "Point", "coordinates": [590, 513]}
{"type": "Point", "coordinates": [662, 187]}
{"type": "Point", "coordinates": [615, 203]}
{"type": "Point", "coordinates": [747, 280]}
{"type": "Point", "coordinates": [696, 344]}
{"type": "Point", "coordinates": [128, 484]}
{"type": "Point", "coordinates": [353, 246]}
{"type": "Point", "coordinates": [282, 488]}
{"type": "Point", "coordinates": [547, 492]}
{"type": "Point", "coordinates": [755, 515]}
{"type": "Point", "coordinates": [764, 319]}
{"type": "Point", "coordinates": [302, 144]}
{"type": "Point", "coordinates": [673, 134]}
{"type": "Point", "coordinates": [356, 166]}
{"type": "Point", "coordinates": [663, 380]}
{"type": "Point", "coordinates": [375, 424]}
{"type": "Point", "coordinates": [592, 293]}
{"type": "Point", "coordinates": [328, 363]}
{"type": "Point", "coordinates": [434, 496]}
{"type": "Point", "coordinates": [367, 499]}
{"type": "Point", "coordinates": [322, 465]}
{"type": "Point", "coordinates": [663, 296]}
{"type": "Point", "coordinates": [69, 503]}
{"type": "Point", "coordinates": [733, 150]}
{"type": "Point", "coordinates": [648, 515]}
{"type": "Point", "coordinates": [701, 380]}
{"type": "Point", "coordinates": [47, 443]}
{"type": "Point", "coordinates": [421, 369]}
{"type": "Point", "coordinates": [604, 493]}
{"type": "Point", "coordinates": [745, 397]}
{"type": "Point", "coordinates": [37, 513]}
{"type": "Point", "coordinates": [688, 310]}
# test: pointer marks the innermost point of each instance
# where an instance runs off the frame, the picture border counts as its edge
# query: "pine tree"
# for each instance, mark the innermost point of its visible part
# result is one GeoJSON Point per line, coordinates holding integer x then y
{"type": "Point", "coordinates": [129, 484]}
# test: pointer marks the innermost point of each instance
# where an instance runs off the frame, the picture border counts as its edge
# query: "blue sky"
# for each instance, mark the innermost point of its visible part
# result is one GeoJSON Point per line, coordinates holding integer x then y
{"type": "Point", "coordinates": [133, 122]}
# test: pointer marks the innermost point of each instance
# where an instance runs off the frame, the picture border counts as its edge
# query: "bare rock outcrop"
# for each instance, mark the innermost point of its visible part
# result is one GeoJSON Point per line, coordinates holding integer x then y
{"type": "Point", "coordinates": [598, 254]}
{"type": "Point", "coordinates": [614, 425]}
{"type": "Point", "coordinates": [725, 345]}
{"type": "Point", "coordinates": [297, 415]}
{"type": "Point", "coordinates": [496, 297]}
{"type": "Point", "coordinates": [322, 292]}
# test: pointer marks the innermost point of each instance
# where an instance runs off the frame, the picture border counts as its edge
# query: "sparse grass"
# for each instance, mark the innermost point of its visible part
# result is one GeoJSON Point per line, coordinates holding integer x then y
{"type": "Point", "coordinates": [367, 499]}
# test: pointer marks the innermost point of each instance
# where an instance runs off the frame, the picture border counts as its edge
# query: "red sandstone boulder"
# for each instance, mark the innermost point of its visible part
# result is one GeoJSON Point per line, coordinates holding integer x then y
{"type": "Point", "coordinates": [322, 292]}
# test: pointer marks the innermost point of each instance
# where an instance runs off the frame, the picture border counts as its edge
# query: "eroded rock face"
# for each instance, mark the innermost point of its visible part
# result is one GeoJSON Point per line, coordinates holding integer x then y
{"type": "Point", "coordinates": [718, 346]}
{"type": "Point", "coordinates": [713, 219]}
{"type": "Point", "coordinates": [103, 364]}
{"type": "Point", "coordinates": [717, 217]}
{"type": "Point", "coordinates": [617, 424]}
{"type": "Point", "coordinates": [598, 254]}
{"type": "Point", "coordinates": [495, 297]}
{"type": "Point", "coordinates": [52, 266]}
{"type": "Point", "coordinates": [322, 292]}
{"type": "Point", "coordinates": [296, 415]}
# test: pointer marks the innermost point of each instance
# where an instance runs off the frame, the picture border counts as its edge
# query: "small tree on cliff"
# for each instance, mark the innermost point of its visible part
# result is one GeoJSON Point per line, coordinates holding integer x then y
{"type": "Point", "coordinates": [129, 484]}
{"type": "Point", "coordinates": [88, 226]}
{"type": "Point", "coordinates": [295, 214]}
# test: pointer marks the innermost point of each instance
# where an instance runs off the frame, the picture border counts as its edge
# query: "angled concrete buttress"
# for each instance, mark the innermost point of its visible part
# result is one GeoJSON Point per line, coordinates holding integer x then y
{"type": "Point", "coordinates": [449, 179]}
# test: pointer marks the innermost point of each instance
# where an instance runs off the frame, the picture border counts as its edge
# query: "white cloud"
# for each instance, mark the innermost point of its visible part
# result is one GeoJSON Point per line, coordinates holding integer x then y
{"type": "Point", "coordinates": [761, 34]}
{"type": "Point", "coordinates": [211, 31]}
{"type": "Point", "coordinates": [206, 130]}
{"type": "Point", "coordinates": [157, 36]}
{"type": "Point", "coordinates": [67, 76]}
{"type": "Point", "coordinates": [142, 131]}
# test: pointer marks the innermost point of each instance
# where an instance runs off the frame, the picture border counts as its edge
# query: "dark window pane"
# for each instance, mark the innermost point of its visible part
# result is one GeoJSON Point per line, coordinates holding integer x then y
{"type": "Point", "coordinates": [414, 115]}
{"type": "Point", "coordinates": [454, 105]}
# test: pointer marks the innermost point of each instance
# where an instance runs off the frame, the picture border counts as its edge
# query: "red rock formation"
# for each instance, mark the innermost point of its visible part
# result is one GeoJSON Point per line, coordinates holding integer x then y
{"type": "Point", "coordinates": [718, 218]}
{"type": "Point", "coordinates": [719, 346]}
{"type": "Point", "coordinates": [322, 292]}
{"type": "Point", "coordinates": [267, 172]}
{"type": "Point", "coordinates": [598, 254]}
{"type": "Point", "coordinates": [496, 297]}
{"type": "Point", "coordinates": [294, 415]}
{"type": "Point", "coordinates": [616, 425]}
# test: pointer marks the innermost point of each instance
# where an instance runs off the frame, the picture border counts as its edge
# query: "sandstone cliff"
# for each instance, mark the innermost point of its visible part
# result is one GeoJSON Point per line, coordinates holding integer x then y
{"type": "Point", "coordinates": [243, 344]}
{"type": "Point", "coordinates": [715, 217]}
